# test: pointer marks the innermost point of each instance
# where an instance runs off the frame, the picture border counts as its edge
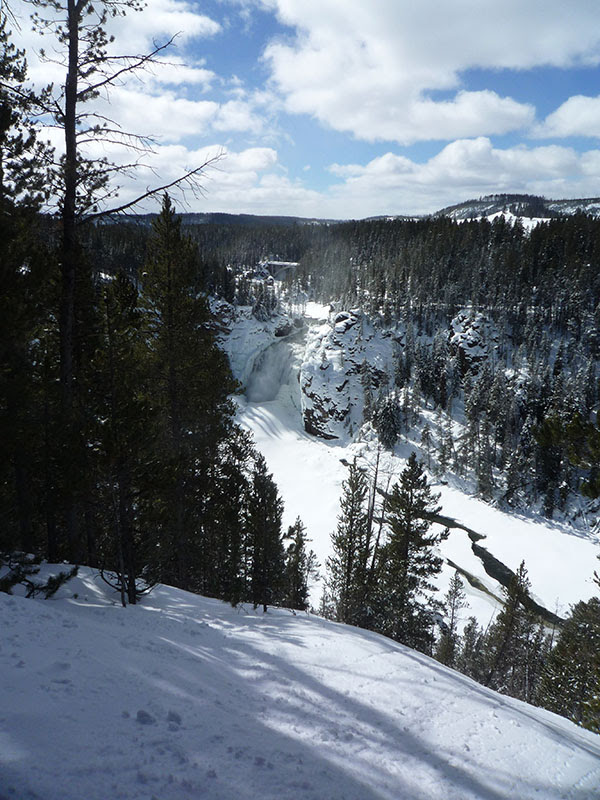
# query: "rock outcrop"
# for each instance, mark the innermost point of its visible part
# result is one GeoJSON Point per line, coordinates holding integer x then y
{"type": "Point", "coordinates": [473, 338]}
{"type": "Point", "coordinates": [330, 375]}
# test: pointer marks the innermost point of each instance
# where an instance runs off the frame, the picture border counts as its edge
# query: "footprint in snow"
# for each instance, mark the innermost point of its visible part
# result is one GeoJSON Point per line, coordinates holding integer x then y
{"type": "Point", "coordinates": [144, 718]}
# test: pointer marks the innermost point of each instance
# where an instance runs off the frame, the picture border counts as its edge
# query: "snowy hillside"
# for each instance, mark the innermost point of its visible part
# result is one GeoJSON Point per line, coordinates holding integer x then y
{"type": "Point", "coordinates": [183, 697]}
{"type": "Point", "coordinates": [529, 209]}
{"type": "Point", "coordinates": [309, 470]}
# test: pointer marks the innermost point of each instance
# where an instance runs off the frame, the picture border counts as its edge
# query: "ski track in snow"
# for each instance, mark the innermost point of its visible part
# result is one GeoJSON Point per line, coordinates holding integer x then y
{"type": "Point", "coordinates": [183, 697]}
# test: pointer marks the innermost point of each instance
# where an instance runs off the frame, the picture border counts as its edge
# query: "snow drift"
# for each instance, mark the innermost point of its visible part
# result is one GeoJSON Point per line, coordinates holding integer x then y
{"type": "Point", "coordinates": [184, 697]}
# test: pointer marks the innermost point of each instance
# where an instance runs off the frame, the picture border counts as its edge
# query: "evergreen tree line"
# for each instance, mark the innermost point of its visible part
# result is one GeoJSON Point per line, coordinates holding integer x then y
{"type": "Point", "coordinates": [166, 486]}
{"type": "Point", "coordinates": [423, 270]}
{"type": "Point", "coordinates": [380, 577]}
{"type": "Point", "coordinates": [524, 432]}
{"type": "Point", "coordinates": [119, 442]}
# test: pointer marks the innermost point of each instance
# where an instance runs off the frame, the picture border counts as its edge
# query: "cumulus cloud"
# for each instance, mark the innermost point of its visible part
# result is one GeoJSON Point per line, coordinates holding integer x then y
{"type": "Point", "coordinates": [389, 70]}
{"type": "Point", "coordinates": [462, 170]}
{"type": "Point", "coordinates": [174, 71]}
{"type": "Point", "coordinates": [245, 181]}
{"type": "Point", "coordinates": [373, 69]}
{"type": "Point", "coordinates": [161, 19]}
{"type": "Point", "coordinates": [168, 117]}
{"type": "Point", "coordinates": [170, 100]}
{"type": "Point", "coordinates": [577, 116]}
{"type": "Point", "coordinates": [254, 181]}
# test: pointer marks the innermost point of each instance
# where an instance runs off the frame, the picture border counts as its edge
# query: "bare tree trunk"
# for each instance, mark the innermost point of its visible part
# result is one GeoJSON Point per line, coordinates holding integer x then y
{"type": "Point", "coordinates": [68, 267]}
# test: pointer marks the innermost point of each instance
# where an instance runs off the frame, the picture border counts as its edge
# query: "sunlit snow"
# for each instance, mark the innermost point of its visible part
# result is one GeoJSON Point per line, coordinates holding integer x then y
{"type": "Point", "coordinates": [183, 697]}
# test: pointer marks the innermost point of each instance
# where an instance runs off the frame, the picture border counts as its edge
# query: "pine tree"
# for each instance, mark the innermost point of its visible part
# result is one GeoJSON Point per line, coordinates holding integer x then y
{"type": "Point", "coordinates": [81, 186]}
{"type": "Point", "coordinates": [446, 443]}
{"type": "Point", "coordinates": [125, 435]}
{"type": "Point", "coordinates": [24, 159]}
{"type": "Point", "coordinates": [367, 386]}
{"type": "Point", "coordinates": [387, 421]}
{"type": "Point", "coordinates": [470, 659]}
{"type": "Point", "coordinates": [224, 551]}
{"type": "Point", "coordinates": [301, 568]}
{"type": "Point", "coordinates": [347, 566]}
{"type": "Point", "coordinates": [454, 601]}
{"type": "Point", "coordinates": [191, 384]}
{"type": "Point", "coordinates": [514, 643]}
{"type": "Point", "coordinates": [570, 683]}
{"type": "Point", "coordinates": [26, 277]}
{"type": "Point", "coordinates": [264, 538]}
{"type": "Point", "coordinates": [426, 443]}
{"type": "Point", "coordinates": [410, 559]}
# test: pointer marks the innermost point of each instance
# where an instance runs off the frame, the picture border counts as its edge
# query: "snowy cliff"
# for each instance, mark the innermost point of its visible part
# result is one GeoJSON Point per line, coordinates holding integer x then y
{"type": "Point", "coordinates": [317, 360]}
{"type": "Point", "coordinates": [336, 355]}
{"type": "Point", "coordinates": [303, 403]}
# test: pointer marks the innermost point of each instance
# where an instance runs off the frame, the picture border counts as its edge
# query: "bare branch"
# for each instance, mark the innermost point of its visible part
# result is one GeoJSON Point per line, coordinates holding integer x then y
{"type": "Point", "coordinates": [137, 62]}
{"type": "Point", "coordinates": [52, 108]}
{"type": "Point", "coordinates": [187, 178]}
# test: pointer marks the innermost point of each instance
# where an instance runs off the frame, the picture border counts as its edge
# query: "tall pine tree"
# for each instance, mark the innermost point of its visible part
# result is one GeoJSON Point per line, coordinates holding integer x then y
{"type": "Point", "coordinates": [410, 559]}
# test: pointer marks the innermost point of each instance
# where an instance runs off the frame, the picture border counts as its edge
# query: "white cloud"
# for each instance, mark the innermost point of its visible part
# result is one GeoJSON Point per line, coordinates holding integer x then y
{"type": "Point", "coordinates": [253, 180]}
{"type": "Point", "coordinates": [462, 170]}
{"type": "Point", "coordinates": [375, 70]}
{"type": "Point", "coordinates": [371, 68]}
{"type": "Point", "coordinates": [245, 181]}
{"type": "Point", "coordinates": [173, 70]}
{"type": "Point", "coordinates": [161, 19]}
{"type": "Point", "coordinates": [577, 116]}
{"type": "Point", "coordinates": [135, 33]}
{"type": "Point", "coordinates": [165, 116]}
{"type": "Point", "coordinates": [169, 100]}
{"type": "Point", "coordinates": [168, 117]}
{"type": "Point", "coordinates": [237, 115]}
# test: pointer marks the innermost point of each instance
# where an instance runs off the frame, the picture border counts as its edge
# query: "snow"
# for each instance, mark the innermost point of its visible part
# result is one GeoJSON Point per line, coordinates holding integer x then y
{"type": "Point", "coordinates": [528, 223]}
{"type": "Point", "coordinates": [559, 562]}
{"type": "Point", "coordinates": [184, 697]}
{"type": "Point", "coordinates": [309, 473]}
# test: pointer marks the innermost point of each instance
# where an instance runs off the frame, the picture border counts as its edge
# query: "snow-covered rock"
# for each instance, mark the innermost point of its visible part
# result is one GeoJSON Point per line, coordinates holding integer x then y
{"type": "Point", "coordinates": [331, 371]}
{"type": "Point", "coordinates": [473, 338]}
{"type": "Point", "coordinates": [246, 338]}
{"type": "Point", "coordinates": [324, 358]}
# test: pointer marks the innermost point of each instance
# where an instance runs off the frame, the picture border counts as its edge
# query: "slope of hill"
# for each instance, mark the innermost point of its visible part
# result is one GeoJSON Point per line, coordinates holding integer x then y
{"type": "Point", "coordinates": [184, 697]}
{"type": "Point", "coordinates": [520, 205]}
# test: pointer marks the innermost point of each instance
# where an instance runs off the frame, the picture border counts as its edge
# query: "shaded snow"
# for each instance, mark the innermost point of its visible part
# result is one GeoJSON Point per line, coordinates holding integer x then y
{"type": "Point", "coordinates": [184, 697]}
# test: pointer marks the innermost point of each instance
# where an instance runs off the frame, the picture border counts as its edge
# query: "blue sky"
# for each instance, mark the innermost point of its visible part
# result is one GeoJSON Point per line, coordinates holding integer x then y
{"type": "Point", "coordinates": [343, 108]}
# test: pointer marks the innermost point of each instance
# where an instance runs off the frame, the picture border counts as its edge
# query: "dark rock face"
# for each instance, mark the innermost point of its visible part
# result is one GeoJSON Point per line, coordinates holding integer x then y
{"type": "Point", "coordinates": [288, 327]}
{"type": "Point", "coordinates": [472, 339]}
{"type": "Point", "coordinates": [330, 375]}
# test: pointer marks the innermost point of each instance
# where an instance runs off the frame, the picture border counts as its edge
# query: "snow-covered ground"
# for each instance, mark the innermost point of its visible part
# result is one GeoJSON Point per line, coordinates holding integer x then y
{"type": "Point", "coordinates": [309, 473]}
{"type": "Point", "coordinates": [182, 698]}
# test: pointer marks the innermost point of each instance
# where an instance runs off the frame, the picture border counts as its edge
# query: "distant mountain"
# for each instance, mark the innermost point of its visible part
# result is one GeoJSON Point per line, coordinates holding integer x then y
{"type": "Point", "coordinates": [520, 205]}
{"type": "Point", "coordinates": [526, 206]}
